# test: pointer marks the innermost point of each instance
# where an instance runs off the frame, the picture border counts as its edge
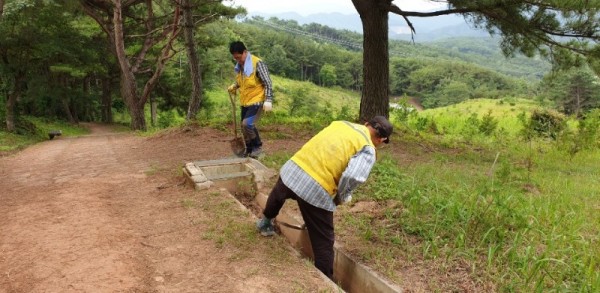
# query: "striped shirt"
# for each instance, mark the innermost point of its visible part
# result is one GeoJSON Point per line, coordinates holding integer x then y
{"type": "Point", "coordinates": [309, 190]}
{"type": "Point", "coordinates": [263, 73]}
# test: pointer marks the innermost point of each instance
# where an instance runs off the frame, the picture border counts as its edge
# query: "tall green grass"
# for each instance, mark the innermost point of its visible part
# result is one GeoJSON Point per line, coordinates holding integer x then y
{"type": "Point", "coordinates": [524, 214]}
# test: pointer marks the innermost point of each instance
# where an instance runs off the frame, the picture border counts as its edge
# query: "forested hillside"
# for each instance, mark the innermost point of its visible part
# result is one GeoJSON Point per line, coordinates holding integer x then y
{"type": "Point", "coordinates": [433, 74]}
{"type": "Point", "coordinates": [482, 51]}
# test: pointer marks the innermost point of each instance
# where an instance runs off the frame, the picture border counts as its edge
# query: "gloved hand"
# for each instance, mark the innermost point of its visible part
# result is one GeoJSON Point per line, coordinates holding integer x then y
{"type": "Point", "coordinates": [348, 199]}
{"type": "Point", "coordinates": [232, 88]}
{"type": "Point", "coordinates": [338, 201]}
{"type": "Point", "coordinates": [267, 106]}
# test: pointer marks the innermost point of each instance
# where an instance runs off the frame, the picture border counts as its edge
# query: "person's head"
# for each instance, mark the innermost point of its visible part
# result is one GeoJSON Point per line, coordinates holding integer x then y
{"type": "Point", "coordinates": [238, 51]}
{"type": "Point", "coordinates": [380, 129]}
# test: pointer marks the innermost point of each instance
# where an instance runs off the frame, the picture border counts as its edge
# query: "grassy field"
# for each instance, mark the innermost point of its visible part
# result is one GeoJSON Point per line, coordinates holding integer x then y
{"type": "Point", "coordinates": [523, 215]}
{"type": "Point", "coordinates": [516, 215]}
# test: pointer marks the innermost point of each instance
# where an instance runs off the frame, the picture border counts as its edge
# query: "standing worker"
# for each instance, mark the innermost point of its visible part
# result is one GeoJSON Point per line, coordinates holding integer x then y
{"type": "Point", "coordinates": [322, 175]}
{"type": "Point", "coordinates": [256, 94]}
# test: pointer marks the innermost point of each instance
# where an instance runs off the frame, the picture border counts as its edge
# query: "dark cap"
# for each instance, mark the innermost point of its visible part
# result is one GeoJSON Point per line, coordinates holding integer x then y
{"type": "Point", "coordinates": [383, 127]}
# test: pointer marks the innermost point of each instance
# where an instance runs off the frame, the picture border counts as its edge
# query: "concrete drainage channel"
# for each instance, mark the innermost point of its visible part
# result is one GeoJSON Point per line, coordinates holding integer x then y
{"type": "Point", "coordinates": [247, 176]}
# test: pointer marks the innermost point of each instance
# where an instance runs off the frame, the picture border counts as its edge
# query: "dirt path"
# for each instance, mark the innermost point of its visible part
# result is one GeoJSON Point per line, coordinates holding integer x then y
{"type": "Point", "coordinates": [109, 212]}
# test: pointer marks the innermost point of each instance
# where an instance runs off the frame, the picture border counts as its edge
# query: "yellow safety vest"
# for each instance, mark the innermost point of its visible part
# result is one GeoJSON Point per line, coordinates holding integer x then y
{"type": "Point", "coordinates": [325, 156]}
{"type": "Point", "coordinates": [252, 90]}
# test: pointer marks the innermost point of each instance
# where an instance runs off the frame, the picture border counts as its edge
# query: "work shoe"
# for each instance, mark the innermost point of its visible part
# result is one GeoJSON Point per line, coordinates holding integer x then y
{"type": "Point", "coordinates": [265, 227]}
{"type": "Point", "coordinates": [257, 153]}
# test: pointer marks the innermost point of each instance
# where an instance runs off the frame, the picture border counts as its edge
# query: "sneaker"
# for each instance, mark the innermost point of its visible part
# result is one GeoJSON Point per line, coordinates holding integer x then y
{"type": "Point", "coordinates": [265, 227]}
{"type": "Point", "coordinates": [256, 153]}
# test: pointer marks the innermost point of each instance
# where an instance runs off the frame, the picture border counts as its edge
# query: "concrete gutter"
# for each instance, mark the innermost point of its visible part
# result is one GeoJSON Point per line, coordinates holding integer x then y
{"type": "Point", "coordinates": [248, 176]}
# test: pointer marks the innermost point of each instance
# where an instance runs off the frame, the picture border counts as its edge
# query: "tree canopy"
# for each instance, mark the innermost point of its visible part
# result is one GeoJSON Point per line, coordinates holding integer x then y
{"type": "Point", "coordinates": [70, 59]}
{"type": "Point", "coordinates": [566, 32]}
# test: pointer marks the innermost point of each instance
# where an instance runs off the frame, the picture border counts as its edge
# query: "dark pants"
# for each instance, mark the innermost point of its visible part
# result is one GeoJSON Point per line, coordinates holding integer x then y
{"type": "Point", "coordinates": [250, 116]}
{"type": "Point", "coordinates": [319, 223]}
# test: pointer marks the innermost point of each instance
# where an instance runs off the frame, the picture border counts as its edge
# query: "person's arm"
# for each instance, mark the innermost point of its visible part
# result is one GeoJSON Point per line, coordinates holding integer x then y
{"type": "Point", "coordinates": [263, 73]}
{"type": "Point", "coordinates": [356, 173]}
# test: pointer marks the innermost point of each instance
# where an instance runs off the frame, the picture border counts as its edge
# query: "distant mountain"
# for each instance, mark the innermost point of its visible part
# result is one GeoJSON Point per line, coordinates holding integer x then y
{"type": "Point", "coordinates": [486, 53]}
{"type": "Point", "coordinates": [427, 28]}
{"type": "Point", "coordinates": [442, 37]}
{"type": "Point", "coordinates": [335, 20]}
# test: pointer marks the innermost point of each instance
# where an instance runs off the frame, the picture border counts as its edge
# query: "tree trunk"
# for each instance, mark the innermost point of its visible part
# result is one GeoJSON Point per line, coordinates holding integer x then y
{"type": "Point", "coordinates": [65, 103]}
{"type": "Point", "coordinates": [74, 111]}
{"type": "Point", "coordinates": [128, 83]}
{"type": "Point", "coordinates": [375, 92]}
{"type": "Point", "coordinates": [11, 103]}
{"type": "Point", "coordinates": [106, 100]}
{"type": "Point", "coordinates": [195, 70]}
{"type": "Point", "coordinates": [10, 111]}
{"type": "Point", "coordinates": [138, 118]}
{"type": "Point", "coordinates": [10, 107]}
{"type": "Point", "coordinates": [153, 112]}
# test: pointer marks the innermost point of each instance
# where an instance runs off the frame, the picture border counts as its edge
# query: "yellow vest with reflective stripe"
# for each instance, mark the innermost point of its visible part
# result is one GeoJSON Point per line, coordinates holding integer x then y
{"type": "Point", "coordinates": [325, 156]}
{"type": "Point", "coordinates": [252, 90]}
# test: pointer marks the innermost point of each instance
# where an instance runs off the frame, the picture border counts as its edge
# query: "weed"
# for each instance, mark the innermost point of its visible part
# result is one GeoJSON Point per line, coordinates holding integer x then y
{"type": "Point", "coordinates": [153, 169]}
{"type": "Point", "coordinates": [188, 203]}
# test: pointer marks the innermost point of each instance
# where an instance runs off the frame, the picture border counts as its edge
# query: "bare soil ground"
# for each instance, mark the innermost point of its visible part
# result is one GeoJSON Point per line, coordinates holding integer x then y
{"type": "Point", "coordinates": [109, 212]}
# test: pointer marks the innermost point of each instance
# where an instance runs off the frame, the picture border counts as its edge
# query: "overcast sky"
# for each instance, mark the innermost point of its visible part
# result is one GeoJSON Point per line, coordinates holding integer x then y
{"type": "Point", "coordinates": [305, 7]}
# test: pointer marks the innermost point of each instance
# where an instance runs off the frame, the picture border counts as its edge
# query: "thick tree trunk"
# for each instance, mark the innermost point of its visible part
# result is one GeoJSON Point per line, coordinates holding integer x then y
{"type": "Point", "coordinates": [195, 70]}
{"type": "Point", "coordinates": [375, 92]}
{"type": "Point", "coordinates": [10, 110]}
{"type": "Point", "coordinates": [106, 101]}
{"type": "Point", "coordinates": [128, 83]}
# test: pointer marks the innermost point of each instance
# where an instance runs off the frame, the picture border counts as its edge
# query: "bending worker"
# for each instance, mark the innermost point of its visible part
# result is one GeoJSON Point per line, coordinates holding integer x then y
{"type": "Point", "coordinates": [322, 175]}
{"type": "Point", "coordinates": [256, 94]}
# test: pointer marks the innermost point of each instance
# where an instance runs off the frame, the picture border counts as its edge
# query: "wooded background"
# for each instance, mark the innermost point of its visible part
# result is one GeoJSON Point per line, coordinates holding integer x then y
{"type": "Point", "coordinates": [82, 60]}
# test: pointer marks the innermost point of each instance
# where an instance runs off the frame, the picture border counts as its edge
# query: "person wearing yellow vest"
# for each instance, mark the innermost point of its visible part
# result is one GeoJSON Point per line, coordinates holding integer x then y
{"type": "Point", "coordinates": [322, 175]}
{"type": "Point", "coordinates": [256, 94]}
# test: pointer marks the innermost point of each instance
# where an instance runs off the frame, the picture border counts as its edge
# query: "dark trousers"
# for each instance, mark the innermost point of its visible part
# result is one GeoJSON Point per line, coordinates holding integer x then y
{"type": "Point", "coordinates": [250, 117]}
{"type": "Point", "coordinates": [319, 223]}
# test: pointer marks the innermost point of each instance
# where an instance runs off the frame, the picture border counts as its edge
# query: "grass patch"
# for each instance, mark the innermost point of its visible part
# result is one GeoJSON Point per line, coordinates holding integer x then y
{"type": "Point", "coordinates": [521, 229]}
{"type": "Point", "coordinates": [35, 130]}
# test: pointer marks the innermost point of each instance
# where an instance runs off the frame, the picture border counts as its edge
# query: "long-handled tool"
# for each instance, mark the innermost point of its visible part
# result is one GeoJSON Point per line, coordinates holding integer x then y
{"type": "Point", "coordinates": [296, 227]}
{"type": "Point", "coordinates": [238, 145]}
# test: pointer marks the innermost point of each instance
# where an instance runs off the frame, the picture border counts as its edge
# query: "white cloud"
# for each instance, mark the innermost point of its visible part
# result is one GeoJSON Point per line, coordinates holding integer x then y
{"type": "Point", "coordinates": [305, 7]}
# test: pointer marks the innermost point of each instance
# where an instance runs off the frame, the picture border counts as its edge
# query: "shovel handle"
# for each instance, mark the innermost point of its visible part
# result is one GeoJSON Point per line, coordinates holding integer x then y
{"type": "Point", "coordinates": [235, 125]}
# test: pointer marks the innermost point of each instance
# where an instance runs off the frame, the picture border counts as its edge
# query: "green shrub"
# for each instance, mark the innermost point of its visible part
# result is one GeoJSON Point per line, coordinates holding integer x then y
{"type": "Point", "coordinates": [166, 119]}
{"type": "Point", "coordinates": [585, 137]}
{"type": "Point", "coordinates": [488, 124]}
{"type": "Point", "coordinates": [545, 123]}
{"type": "Point", "coordinates": [589, 130]}
{"type": "Point", "coordinates": [471, 126]}
{"type": "Point", "coordinates": [403, 110]}
{"type": "Point", "coordinates": [345, 114]}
